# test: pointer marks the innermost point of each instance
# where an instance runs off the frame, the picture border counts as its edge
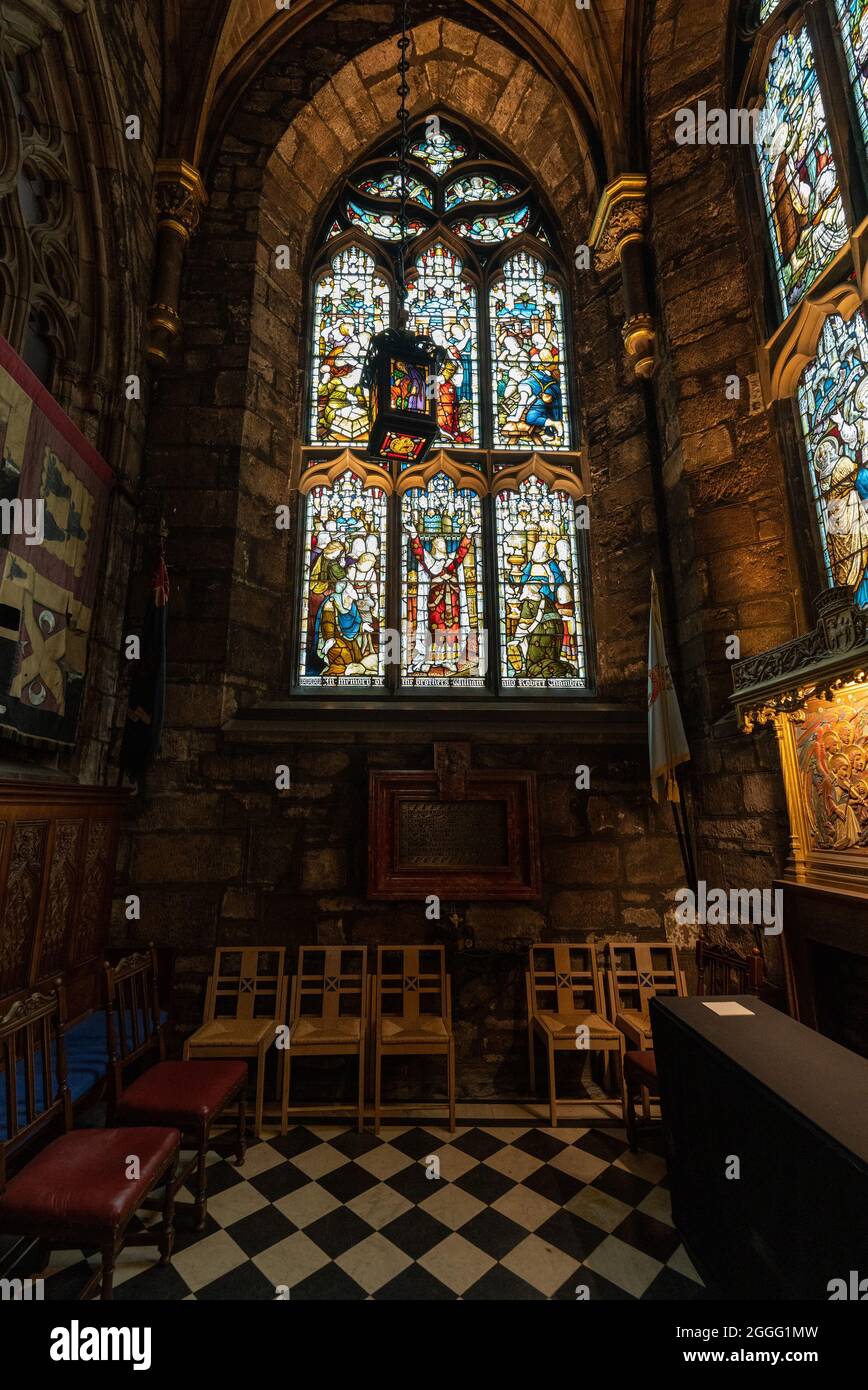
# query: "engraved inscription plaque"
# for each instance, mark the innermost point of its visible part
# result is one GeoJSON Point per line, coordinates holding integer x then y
{"type": "Point", "coordinates": [452, 835]}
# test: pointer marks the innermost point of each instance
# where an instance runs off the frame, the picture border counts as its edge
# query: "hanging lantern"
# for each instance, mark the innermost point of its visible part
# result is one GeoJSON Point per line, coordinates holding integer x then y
{"type": "Point", "coordinates": [401, 376]}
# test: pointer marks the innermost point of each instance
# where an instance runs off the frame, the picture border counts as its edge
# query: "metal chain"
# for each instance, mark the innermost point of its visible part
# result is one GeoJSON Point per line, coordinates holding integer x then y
{"type": "Point", "coordinates": [403, 93]}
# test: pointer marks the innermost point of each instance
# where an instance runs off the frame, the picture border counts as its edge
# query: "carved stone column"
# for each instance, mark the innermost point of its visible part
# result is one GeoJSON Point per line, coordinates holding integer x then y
{"type": "Point", "coordinates": [618, 238]}
{"type": "Point", "coordinates": [179, 195]}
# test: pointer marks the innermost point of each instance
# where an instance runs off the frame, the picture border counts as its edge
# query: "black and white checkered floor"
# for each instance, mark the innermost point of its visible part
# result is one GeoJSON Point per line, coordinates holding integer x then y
{"type": "Point", "coordinates": [517, 1212]}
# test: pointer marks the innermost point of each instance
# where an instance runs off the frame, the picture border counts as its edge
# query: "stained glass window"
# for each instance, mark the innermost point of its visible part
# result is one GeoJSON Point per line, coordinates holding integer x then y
{"type": "Point", "coordinates": [490, 227]}
{"type": "Point", "coordinates": [442, 617]}
{"type": "Point", "coordinates": [527, 350]}
{"type": "Point", "coordinates": [542, 641]}
{"type": "Point", "coordinates": [389, 186]}
{"type": "Point", "coordinates": [853, 15]}
{"type": "Point", "coordinates": [798, 174]}
{"type": "Point", "coordinates": [343, 589]}
{"type": "Point", "coordinates": [833, 399]}
{"type": "Point", "coordinates": [385, 226]}
{"type": "Point", "coordinates": [439, 149]}
{"type": "Point", "coordinates": [768, 8]}
{"type": "Point", "coordinates": [479, 188]}
{"type": "Point", "coordinates": [351, 304]}
{"type": "Point", "coordinates": [442, 304]}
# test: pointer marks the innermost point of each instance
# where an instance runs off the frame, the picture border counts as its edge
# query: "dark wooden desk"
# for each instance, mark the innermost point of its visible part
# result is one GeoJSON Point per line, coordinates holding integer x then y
{"type": "Point", "coordinates": [792, 1106]}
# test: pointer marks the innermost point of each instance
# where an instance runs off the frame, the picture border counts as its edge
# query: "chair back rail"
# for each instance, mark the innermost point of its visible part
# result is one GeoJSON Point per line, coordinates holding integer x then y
{"type": "Point", "coordinates": [411, 983]}
{"type": "Point", "coordinates": [132, 1015]}
{"type": "Point", "coordinates": [564, 978]}
{"type": "Point", "coordinates": [32, 1042]}
{"type": "Point", "coordinates": [638, 972]}
{"type": "Point", "coordinates": [332, 982]}
{"type": "Point", "coordinates": [248, 982]}
{"type": "Point", "coordinates": [721, 970]}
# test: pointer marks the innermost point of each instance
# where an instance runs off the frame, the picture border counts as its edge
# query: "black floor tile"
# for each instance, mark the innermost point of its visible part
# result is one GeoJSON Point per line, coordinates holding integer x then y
{"type": "Point", "coordinates": [415, 1284]}
{"type": "Point", "coordinates": [337, 1231]}
{"type": "Point", "coordinates": [650, 1236]}
{"type": "Point", "coordinates": [484, 1183]}
{"type": "Point", "coordinates": [493, 1233]}
{"type": "Point", "coordinates": [623, 1185]}
{"type": "Point", "coordinates": [539, 1145]}
{"type": "Point", "coordinates": [479, 1143]}
{"type": "Point", "coordinates": [500, 1285]}
{"type": "Point", "coordinates": [415, 1232]}
{"type": "Point", "coordinates": [260, 1230]}
{"type": "Point", "coordinates": [245, 1282]}
{"type": "Point", "coordinates": [328, 1285]}
{"type": "Point", "coordinates": [571, 1234]}
{"type": "Point", "coordinates": [348, 1182]}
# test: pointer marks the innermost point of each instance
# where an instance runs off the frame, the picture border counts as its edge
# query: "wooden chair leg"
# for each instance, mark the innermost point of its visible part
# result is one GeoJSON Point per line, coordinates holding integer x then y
{"type": "Point", "coordinates": [630, 1118]}
{"type": "Point", "coordinates": [166, 1242]}
{"type": "Point", "coordinates": [553, 1100]}
{"type": "Point", "coordinates": [260, 1093]}
{"type": "Point", "coordinates": [200, 1200]}
{"type": "Point", "coordinates": [284, 1093]}
{"type": "Point", "coordinates": [378, 1081]}
{"type": "Point", "coordinates": [531, 1058]}
{"type": "Point", "coordinates": [450, 1069]}
{"type": "Point", "coordinates": [241, 1137]}
{"type": "Point", "coordinates": [361, 1111]}
{"type": "Point", "coordinates": [108, 1271]}
{"type": "Point", "coordinates": [646, 1105]}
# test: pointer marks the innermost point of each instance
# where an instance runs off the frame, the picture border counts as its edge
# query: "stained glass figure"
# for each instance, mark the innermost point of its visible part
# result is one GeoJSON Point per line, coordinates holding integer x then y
{"type": "Point", "coordinates": [853, 15]}
{"type": "Point", "coordinates": [438, 149]}
{"type": "Point", "coordinates": [490, 228]}
{"type": "Point", "coordinates": [442, 305]}
{"type": "Point", "coordinates": [798, 174]}
{"type": "Point", "coordinates": [767, 9]}
{"type": "Point", "coordinates": [389, 186]}
{"type": "Point", "coordinates": [351, 304]}
{"type": "Point", "coordinates": [833, 399]}
{"type": "Point", "coordinates": [442, 618]}
{"type": "Point", "coordinates": [385, 226]}
{"type": "Point", "coordinates": [479, 188]}
{"type": "Point", "coordinates": [343, 603]}
{"type": "Point", "coordinates": [527, 350]}
{"type": "Point", "coordinates": [542, 644]}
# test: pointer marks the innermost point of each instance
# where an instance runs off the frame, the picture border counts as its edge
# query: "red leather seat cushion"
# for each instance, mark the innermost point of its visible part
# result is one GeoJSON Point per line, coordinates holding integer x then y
{"type": "Point", "coordinates": [79, 1183]}
{"type": "Point", "coordinates": [180, 1093]}
{"type": "Point", "coordinates": [641, 1068]}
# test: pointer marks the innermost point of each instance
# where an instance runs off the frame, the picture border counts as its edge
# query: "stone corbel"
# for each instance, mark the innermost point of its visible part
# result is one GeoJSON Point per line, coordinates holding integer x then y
{"type": "Point", "coordinates": [618, 239]}
{"type": "Point", "coordinates": [179, 195]}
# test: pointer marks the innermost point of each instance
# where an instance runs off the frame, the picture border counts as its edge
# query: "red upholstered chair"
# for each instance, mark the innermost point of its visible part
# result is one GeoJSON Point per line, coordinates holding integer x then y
{"type": "Point", "coordinates": [192, 1096]}
{"type": "Point", "coordinates": [77, 1193]}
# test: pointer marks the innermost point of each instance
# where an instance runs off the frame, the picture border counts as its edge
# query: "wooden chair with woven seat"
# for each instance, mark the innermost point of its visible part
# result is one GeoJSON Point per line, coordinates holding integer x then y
{"type": "Point", "coordinates": [328, 1018]}
{"type": "Point", "coordinates": [412, 1015]}
{"type": "Point", "coordinates": [191, 1096]}
{"type": "Point", "coordinates": [76, 1193]}
{"type": "Point", "coordinates": [244, 1005]}
{"type": "Point", "coordinates": [636, 973]}
{"type": "Point", "coordinates": [565, 993]}
{"type": "Point", "coordinates": [718, 971]}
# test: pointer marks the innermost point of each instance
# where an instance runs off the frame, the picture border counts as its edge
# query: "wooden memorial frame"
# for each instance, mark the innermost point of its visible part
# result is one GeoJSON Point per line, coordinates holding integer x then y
{"type": "Point", "coordinates": [497, 809]}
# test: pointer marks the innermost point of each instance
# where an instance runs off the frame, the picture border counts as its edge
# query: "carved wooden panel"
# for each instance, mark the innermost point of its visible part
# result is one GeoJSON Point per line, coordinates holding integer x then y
{"type": "Point", "coordinates": [21, 903]}
{"type": "Point", "coordinates": [98, 864]}
{"type": "Point", "coordinates": [60, 899]}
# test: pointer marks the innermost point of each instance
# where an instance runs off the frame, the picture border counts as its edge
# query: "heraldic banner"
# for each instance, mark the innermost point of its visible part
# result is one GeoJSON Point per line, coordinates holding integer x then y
{"type": "Point", "coordinates": [54, 490]}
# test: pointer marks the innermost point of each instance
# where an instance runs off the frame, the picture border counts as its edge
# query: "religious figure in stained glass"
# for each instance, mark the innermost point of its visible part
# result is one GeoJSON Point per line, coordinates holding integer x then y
{"type": "Point", "coordinates": [797, 169]}
{"type": "Point", "coordinates": [442, 305]}
{"type": "Point", "coordinates": [490, 228]}
{"type": "Point", "coordinates": [351, 304]}
{"type": "Point", "coordinates": [541, 636]}
{"type": "Point", "coordinates": [343, 610]}
{"type": "Point", "coordinates": [853, 15]}
{"type": "Point", "coordinates": [479, 188]}
{"type": "Point", "coordinates": [389, 186]}
{"type": "Point", "coordinates": [833, 397]}
{"type": "Point", "coordinates": [441, 593]}
{"type": "Point", "coordinates": [527, 338]}
{"type": "Point", "coordinates": [385, 226]}
{"type": "Point", "coordinates": [438, 148]}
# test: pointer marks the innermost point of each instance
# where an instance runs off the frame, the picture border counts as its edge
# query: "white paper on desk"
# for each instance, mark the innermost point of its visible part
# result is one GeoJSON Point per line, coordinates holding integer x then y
{"type": "Point", "coordinates": [728, 1008]}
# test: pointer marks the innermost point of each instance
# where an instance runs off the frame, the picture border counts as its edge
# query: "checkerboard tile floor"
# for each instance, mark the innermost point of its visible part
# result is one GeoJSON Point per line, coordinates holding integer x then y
{"type": "Point", "coordinates": [518, 1212]}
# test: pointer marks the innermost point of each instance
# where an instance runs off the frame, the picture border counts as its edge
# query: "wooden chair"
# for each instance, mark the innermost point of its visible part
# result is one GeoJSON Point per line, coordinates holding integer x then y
{"type": "Point", "coordinates": [718, 971]}
{"type": "Point", "coordinates": [412, 1015]}
{"type": "Point", "coordinates": [77, 1193]}
{"type": "Point", "coordinates": [190, 1096]}
{"type": "Point", "coordinates": [564, 993]}
{"type": "Point", "coordinates": [329, 1018]}
{"type": "Point", "coordinates": [244, 1006]}
{"type": "Point", "coordinates": [635, 974]}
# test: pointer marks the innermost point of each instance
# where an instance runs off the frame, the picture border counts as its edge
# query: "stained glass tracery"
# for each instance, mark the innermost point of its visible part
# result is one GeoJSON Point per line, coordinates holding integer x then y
{"type": "Point", "coordinates": [389, 186]}
{"type": "Point", "coordinates": [479, 188]}
{"type": "Point", "coordinates": [443, 304]}
{"type": "Point", "coordinates": [853, 15]}
{"type": "Point", "coordinates": [767, 9]}
{"type": "Point", "coordinates": [527, 350]}
{"type": "Point", "coordinates": [442, 609]}
{"type": "Point", "coordinates": [833, 399]}
{"type": "Point", "coordinates": [798, 174]}
{"type": "Point", "coordinates": [343, 612]}
{"type": "Point", "coordinates": [351, 304]}
{"type": "Point", "coordinates": [439, 149]}
{"type": "Point", "coordinates": [385, 226]}
{"type": "Point", "coordinates": [542, 641]}
{"type": "Point", "coordinates": [491, 228]}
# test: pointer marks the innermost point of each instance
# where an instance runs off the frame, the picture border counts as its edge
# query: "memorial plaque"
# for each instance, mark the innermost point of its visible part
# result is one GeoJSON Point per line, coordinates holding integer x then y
{"type": "Point", "coordinates": [453, 835]}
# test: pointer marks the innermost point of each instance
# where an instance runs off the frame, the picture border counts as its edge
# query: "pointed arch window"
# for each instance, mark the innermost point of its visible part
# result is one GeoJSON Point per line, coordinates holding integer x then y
{"type": "Point", "coordinates": [468, 572]}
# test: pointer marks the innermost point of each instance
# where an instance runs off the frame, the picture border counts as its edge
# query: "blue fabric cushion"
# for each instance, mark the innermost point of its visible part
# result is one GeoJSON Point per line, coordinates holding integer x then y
{"type": "Point", "coordinates": [86, 1064]}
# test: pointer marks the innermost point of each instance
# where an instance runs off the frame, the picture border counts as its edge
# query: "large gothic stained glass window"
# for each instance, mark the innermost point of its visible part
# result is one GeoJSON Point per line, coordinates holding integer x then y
{"type": "Point", "coordinates": [797, 169]}
{"type": "Point", "coordinates": [853, 15]}
{"type": "Point", "coordinates": [466, 573]}
{"type": "Point", "coordinates": [833, 398]}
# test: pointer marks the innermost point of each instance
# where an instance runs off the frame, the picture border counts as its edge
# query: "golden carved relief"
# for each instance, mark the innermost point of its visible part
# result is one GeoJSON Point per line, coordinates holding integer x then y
{"type": "Point", "coordinates": [832, 753]}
